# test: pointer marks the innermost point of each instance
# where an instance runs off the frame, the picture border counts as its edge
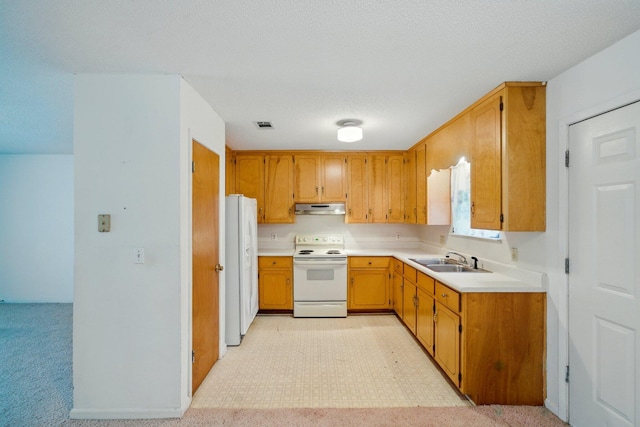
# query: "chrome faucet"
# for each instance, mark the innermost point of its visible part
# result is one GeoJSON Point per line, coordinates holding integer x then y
{"type": "Point", "coordinates": [462, 257]}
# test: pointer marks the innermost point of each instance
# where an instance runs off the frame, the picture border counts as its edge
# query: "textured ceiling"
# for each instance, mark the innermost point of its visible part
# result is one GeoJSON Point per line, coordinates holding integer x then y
{"type": "Point", "coordinates": [402, 67]}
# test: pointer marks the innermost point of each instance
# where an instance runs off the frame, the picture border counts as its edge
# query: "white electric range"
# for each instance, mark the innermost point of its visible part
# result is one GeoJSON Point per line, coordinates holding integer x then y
{"type": "Point", "coordinates": [319, 276]}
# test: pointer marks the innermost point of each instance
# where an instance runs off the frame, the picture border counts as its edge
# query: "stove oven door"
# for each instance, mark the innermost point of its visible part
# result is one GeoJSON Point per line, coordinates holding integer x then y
{"type": "Point", "coordinates": [320, 279]}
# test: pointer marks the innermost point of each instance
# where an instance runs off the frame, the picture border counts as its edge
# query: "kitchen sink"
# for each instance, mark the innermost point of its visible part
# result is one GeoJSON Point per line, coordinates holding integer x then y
{"type": "Point", "coordinates": [431, 261]}
{"type": "Point", "coordinates": [446, 265]}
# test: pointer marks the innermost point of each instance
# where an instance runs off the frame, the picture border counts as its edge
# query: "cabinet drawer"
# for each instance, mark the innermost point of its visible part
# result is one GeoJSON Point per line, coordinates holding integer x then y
{"type": "Point", "coordinates": [398, 265]}
{"type": "Point", "coordinates": [426, 283]}
{"type": "Point", "coordinates": [369, 262]}
{"type": "Point", "coordinates": [410, 273]}
{"type": "Point", "coordinates": [448, 297]}
{"type": "Point", "coordinates": [275, 262]}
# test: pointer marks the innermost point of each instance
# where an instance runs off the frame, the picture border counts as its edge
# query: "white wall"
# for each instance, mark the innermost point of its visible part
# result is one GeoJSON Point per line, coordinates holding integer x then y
{"type": "Point", "coordinates": [132, 321]}
{"type": "Point", "coordinates": [200, 122]}
{"type": "Point", "coordinates": [607, 80]}
{"type": "Point", "coordinates": [36, 228]}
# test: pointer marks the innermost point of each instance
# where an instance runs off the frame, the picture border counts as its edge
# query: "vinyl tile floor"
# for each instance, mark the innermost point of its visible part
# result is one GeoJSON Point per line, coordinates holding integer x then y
{"type": "Point", "coordinates": [361, 361]}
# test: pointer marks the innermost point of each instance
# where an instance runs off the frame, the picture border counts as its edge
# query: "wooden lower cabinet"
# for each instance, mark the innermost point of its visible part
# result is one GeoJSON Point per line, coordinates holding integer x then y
{"type": "Point", "coordinates": [369, 283]}
{"type": "Point", "coordinates": [502, 348]}
{"type": "Point", "coordinates": [275, 283]}
{"type": "Point", "coordinates": [424, 312]}
{"type": "Point", "coordinates": [398, 285]}
{"type": "Point", "coordinates": [490, 344]}
{"type": "Point", "coordinates": [447, 342]}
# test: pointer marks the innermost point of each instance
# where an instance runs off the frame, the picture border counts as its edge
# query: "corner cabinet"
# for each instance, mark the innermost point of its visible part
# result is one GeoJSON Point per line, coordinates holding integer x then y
{"type": "Point", "coordinates": [369, 283]}
{"type": "Point", "coordinates": [508, 158]}
{"type": "Point", "coordinates": [250, 179]}
{"type": "Point", "coordinates": [275, 283]}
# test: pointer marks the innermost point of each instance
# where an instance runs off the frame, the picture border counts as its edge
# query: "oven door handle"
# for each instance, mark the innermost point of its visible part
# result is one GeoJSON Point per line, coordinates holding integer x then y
{"type": "Point", "coordinates": [321, 261]}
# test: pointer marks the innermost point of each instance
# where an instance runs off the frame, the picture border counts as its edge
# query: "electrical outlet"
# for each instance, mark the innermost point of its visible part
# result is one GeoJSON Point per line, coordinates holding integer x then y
{"type": "Point", "coordinates": [138, 255]}
{"type": "Point", "coordinates": [397, 236]}
{"type": "Point", "coordinates": [514, 254]}
{"type": "Point", "coordinates": [274, 236]}
{"type": "Point", "coordinates": [442, 240]}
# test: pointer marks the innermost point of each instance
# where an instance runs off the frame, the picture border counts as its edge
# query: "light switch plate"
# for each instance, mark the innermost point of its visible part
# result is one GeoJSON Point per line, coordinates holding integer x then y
{"type": "Point", "coordinates": [104, 223]}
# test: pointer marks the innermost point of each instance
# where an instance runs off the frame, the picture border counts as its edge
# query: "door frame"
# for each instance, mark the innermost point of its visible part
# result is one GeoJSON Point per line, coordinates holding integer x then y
{"type": "Point", "coordinates": [561, 278]}
{"type": "Point", "coordinates": [222, 348]}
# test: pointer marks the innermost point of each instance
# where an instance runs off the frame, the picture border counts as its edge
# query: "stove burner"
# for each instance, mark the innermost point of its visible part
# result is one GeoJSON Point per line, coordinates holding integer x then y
{"type": "Point", "coordinates": [333, 252]}
{"type": "Point", "coordinates": [305, 251]}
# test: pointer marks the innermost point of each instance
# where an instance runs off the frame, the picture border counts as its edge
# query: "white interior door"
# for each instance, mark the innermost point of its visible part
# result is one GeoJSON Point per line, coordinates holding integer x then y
{"type": "Point", "coordinates": [604, 279]}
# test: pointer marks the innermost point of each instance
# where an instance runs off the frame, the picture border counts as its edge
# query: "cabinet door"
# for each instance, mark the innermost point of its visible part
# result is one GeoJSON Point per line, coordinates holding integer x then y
{"type": "Point", "coordinates": [395, 189]}
{"type": "Point", "coordinates": [409, 305]}
{"type": "Point", "coordinates": [377, 188]}
{"type": "Point", "coordinates": [275, 290]}
{"type": "Point", "coordinates": [447, 342]}
{"type": "Point", "coordinates": [279, 189]}
{"type": "Point", "coordinates": [250, 179]}
{"type": "Point", "coordinates": [230, 172]}
{"type": "Point", "coordinates": [421, 184]}
{"type": "Point", "coordinates": [410, 172]}
{"type": "Point", "coordinates": [486, 175]}
{"type": "Point", "coordinates": [424, 321]}
{"type": "Point", "coordinates": [357, 194]}
{"type": "Point", "coordinates": [369, 289]}
{"type": "Point", "coordinates": [397, 294]}
{"type": "Point", "coordinates": [334, 182]}
{"type": "Point", "coordinates": [307, 178]}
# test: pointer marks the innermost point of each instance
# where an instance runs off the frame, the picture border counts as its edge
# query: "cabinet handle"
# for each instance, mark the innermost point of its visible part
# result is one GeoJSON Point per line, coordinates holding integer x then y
{"type": "Point", "coordinates": [316, 191]}
{"type": "Point", "coordinates": [444, 295]}
{"type": "Point", "coordinates": [473, 208]}
{"type": "Point", "coordinates": [435, 317]}
{"type": "Point", "coordinates": [323, 189]}
{"type": "Point", "coordinates": [389, 210]}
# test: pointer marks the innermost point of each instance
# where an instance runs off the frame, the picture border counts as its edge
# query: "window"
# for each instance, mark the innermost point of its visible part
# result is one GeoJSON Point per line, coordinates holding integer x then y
{"type": "Point", "coordinates": [461, 204]}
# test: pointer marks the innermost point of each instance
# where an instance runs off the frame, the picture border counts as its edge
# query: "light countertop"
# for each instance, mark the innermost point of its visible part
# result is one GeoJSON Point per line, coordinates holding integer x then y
{"type": "Point", "coordinates": [461, 282]}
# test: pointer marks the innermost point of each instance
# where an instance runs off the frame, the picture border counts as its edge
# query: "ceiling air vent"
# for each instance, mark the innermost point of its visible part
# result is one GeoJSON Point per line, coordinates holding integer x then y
{"type": "Point", "coordinates": [264, 125]}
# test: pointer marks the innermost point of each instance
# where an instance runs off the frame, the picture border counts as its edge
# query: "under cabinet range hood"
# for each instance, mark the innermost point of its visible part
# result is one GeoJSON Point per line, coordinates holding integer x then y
{"type": "Point", "coordinates": [320, 209]}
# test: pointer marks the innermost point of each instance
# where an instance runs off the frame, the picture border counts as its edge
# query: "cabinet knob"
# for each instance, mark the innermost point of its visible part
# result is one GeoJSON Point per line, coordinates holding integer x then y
{"type": "Point", "coordinates": [219, 268]}
{"type": "Point", "coordinates": [273, 263]}
{"type": "Point", "coordinates": [444, 295]}
{"type": "Point", "coordinates": [370, 263]}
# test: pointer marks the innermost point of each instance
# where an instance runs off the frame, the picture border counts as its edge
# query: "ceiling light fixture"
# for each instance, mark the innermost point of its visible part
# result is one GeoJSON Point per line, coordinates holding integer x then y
{"type": "Point", "coordinates": [350, 130]}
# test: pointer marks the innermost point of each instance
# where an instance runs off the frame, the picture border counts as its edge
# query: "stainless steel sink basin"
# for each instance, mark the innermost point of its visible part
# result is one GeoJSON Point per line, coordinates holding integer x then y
{"type": "Point", "coordinates": [446, 265]}
{"type": "Point", "coordinates": [455, 268]}
{"type": "Point", "coordinates": [449, 268]}
{"type": "Point", "coordinates": [430, 261]}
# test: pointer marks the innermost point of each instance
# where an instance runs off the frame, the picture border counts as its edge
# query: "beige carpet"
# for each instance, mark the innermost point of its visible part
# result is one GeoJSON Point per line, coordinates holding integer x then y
{"type": "Point", "coordinates": [364, 361]}
{"type": "Point", "coordinates": [481, 416]}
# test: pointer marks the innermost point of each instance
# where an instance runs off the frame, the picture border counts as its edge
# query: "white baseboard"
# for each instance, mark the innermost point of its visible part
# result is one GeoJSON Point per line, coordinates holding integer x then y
{"type": "Point", "coordinates": [126, 413]}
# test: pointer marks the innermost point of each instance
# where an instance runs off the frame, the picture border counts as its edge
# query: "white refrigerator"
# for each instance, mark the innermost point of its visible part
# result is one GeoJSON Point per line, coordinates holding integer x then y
{"type": "Point", "coordinates": [241, 257]}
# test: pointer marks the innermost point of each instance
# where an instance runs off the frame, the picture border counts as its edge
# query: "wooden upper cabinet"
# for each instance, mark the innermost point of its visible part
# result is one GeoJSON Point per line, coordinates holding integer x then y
{"type": "Point", "coordinates": [410, 195]}
{"type": "Point", "coordinates": [395, 188]}
{"type": "Point", "coordinates": [377, 189]}
{"type": "Point", "coordinates": [250, 179]}
{"type": "Point", "coordinates": [307, 178]}
{"type": "Point", "coordinates": [320, 178]}
{"type": "Point", "coordinates": [508, 159]}
{"type": "Point", "coordinates": [421, 184]}
{"type": "Point", "coordinates": [486, 197]}
{"type": "Point", "coordinates": [279, 189]}
{"type": "Point", "coordinates": [357, 189]}
{"type": "Point", "coordinates": [230, 171]}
